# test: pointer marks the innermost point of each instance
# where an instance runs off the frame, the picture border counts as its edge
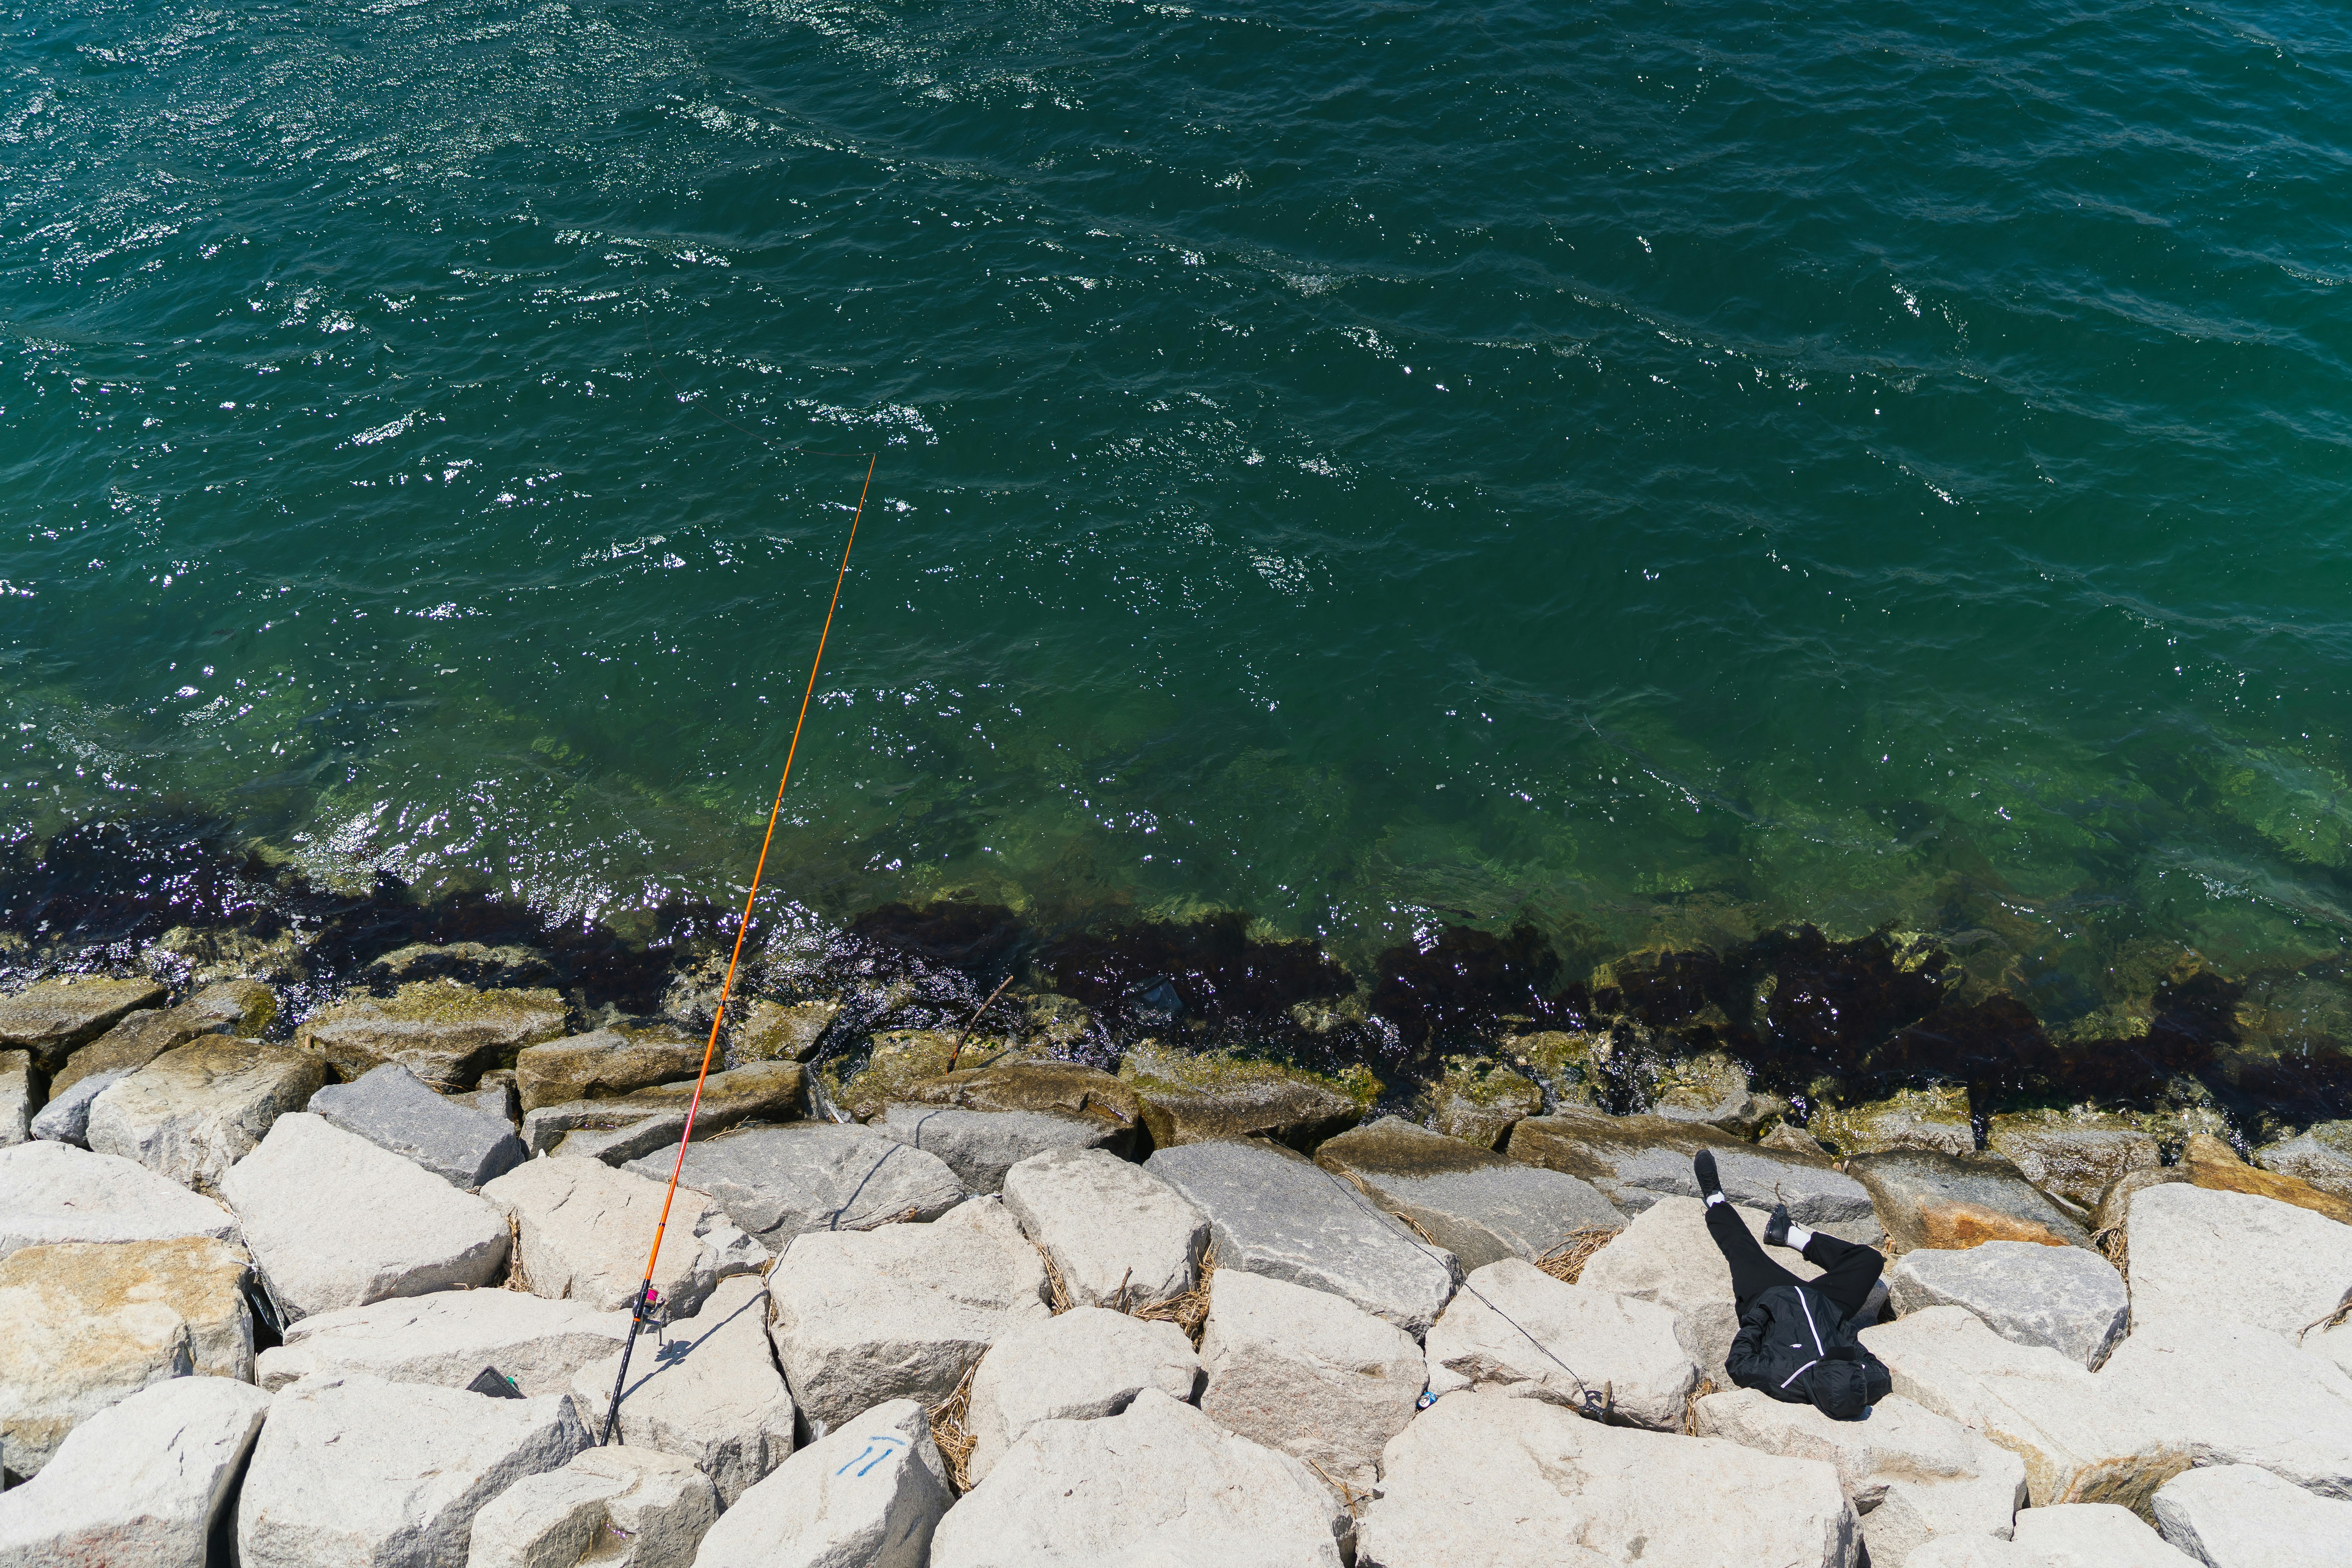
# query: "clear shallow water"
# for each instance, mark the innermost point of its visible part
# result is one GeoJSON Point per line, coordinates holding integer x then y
{"type": "Point", "coordinates": [1659, 472]}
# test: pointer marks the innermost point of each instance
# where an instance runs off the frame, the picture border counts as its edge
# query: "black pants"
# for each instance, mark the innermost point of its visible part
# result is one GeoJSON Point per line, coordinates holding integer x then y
{"type": "Point", "coordinates": [1849, 1271]}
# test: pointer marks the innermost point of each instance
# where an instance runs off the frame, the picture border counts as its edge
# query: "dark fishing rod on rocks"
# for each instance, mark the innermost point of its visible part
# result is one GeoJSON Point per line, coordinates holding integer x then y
{"type": "Point", "coordinates": [649, 1312]}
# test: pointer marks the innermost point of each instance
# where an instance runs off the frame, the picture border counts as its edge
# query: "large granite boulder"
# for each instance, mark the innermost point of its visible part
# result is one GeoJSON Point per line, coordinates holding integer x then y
{"type": "Point", "coordinates": [65, 1119]}
{"type": "Point", "coordinates": [2241, 1516]}
{"type": "Point", "coordinates": [1477, 1205]}
{"type": "Point", "coordinates": [391, 1109]}
{"type": "Point", "coordinates": [901, 1312]}
{"type": "Point", "coordinates": [2083, 1435]}
{"type": "Point", "coordinates": [980, 1146]}
{"type": "Point", "coordinates": [53, 1017]}
{"type": "Point", "coordinates": [2091, 1535]}
{"type": "Point", "coordinates": [1118, 1234]}
{"type": "Point", "coordinates": [1912, 1475]}
{"type": "Point", "coordinates": [198, 1109]}
{"type": "Point", "coordinates": [1936, 1119]}
{"type": "Point", "coordinates": [1930, 1199]}
{"type": "Point", "coordinates": [708, 1391]}
{"type": "Point", "coordinates": [2072, 1154]}
{"type": "Point", "coordinates": [1191, 1098]}
{"type": "Point", "coordinates": [1667, 1257]}
{"type": "Point", "coordinates": [2210, 1253]}
{"type": "Point", "coordinates": [640, 1123]}
{"type": "Point", "coordinates": [2067, 1298]}
{"type": "Point", "coordinates": [2228, 1393]}
{"type": "Point", "coordinates": [1482, 1477]}
{"type": "Point", "coordinates": [444, 1033]}
{"type": "Point", "coordinates": [582, 1231]}
{"type": "Point", "coordinates": [2320, 1155]}
{"type": "Point", "coordinates": [777, 1182]}
{"type": "Point", "coordinates": [1066, 1088]}
{"type": "Point", "coordinates": [655, 1507]}
{"type": "Point", "coordinates": [1515, 1329]}
{"type": "Point", "coordinates": [1310, 1375]}
{"type": "Point", "coordinates": [140, 1482]}
{"type": "Point", "coordinates": [354, 1470]}
{"type": "Point", "coordinates": [92, 1323]}
{"type": "Point", "coordinates": [1275, 1213]}
{"type": "Point", "coordinates": [604, 1064]}
{"type": "Point", "coordinates": [333, 1221]}
{"type": "Point", "coordinates": [870, 1495]}
{"type": "Point", "coordinates": [239, 1007]}
{"type": "Point", "coordinates": [1634, 1161]}
{"type": "Point", "coordinates": [1158, 1483]}
{"type": "Point", "coordinates": [1086, 1363]}
{"type": "Point", "coordinates": [2213, 1164]}
{"type": "Point", "coordinates": [53, 1192]}
{"type": "Point", "coordinates": [767, 1031]}
{"type": "Point", "coordinates": [1713, 1089]}
{"type": "Point", "coordinates": [447, 1339]}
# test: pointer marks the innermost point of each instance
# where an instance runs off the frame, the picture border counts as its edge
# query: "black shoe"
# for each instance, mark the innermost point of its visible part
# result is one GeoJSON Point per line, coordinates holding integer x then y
{"type": "Point", "coordinates": [1776, 1229]}
{"type": "Point", "coordinates": [1702, 1167]}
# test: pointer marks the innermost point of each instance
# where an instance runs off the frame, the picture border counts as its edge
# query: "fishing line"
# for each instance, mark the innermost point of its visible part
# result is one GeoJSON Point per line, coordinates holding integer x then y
{"type": "Point", "coordinates": [647, 1298]}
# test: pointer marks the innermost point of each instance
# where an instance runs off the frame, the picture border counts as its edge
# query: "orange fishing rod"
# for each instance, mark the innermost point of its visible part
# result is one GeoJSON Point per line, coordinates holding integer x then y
{"type": "Point", "coordinates": [646, 1299]}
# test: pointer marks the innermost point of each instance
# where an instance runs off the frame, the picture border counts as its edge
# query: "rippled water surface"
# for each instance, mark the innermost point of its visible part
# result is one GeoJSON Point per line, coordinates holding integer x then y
{"type": "Point", "coordinates": [1660, 470]}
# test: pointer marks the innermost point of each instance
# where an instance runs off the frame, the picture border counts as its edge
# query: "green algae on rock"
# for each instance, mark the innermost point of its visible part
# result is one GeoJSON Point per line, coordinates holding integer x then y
{"type": "Point", "coordinates": [1934, 1118]}
{"type": "Point", "coordinates": [1478, 1101]}
{"type": "Point", "coordinates": [443, 1032]}
{"type": "Point", "coordinates": [1195, 1099]}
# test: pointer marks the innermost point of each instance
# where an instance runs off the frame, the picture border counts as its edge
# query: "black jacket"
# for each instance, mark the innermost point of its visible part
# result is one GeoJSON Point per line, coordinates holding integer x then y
{"type": "Point", "coordinates": [1795, 1346]}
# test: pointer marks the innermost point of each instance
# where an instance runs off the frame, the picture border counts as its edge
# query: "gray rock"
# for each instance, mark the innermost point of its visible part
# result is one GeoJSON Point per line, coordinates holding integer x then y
{"type": "Point", "coordinates": [1954, 1201]}
{"type": "Point", "coordinates": [2321, 1155]}
{"type": "Point", "coordinates": [66, 1118]}
{"type": "Point", "coordinates": [1276, 1214]}
{"type": "Point", "coordinates": [2084, 1437]}
{"type": "Point", "coordinates": [393, 1110]}
{"type": "Point", "coordinates": [604, 1064]}
{"type": "Point", "coordinates": [583, 1230]}
{"type": "Point", "coordinates": [2062, 1297]}
{"type": "Point", "coordinates": [2231, 1394]}
{"type": "Point", "coordinates": [869, 1496]}
{"type": "Point", "coordinates": [1711, 1088]}
{"type": "Point", "coordinates": [778, 1183]}
{"type": "Point", "coordinates": [1667, 1257]}
{"type": "Point", "coordinates": [54, 1192]}
{"type": "Point", "coordinates": [2241, 1516]}
{"type": "Point", "coordinates": [240, 1007]}
{"type": "Point", "coordinates": [53, 1017]}
{"type": "Point", "coordinates": [16, 1097]}
{"type": "Point", "coordinates": [1118, 1234]}
{"type": "Point", "coordinates": [1634, 1161]}
{"type": "Point", "coordinates": [1192, 1098]}
{"type": "Point", "coordinates": [1936, 1118]}
{"type": "Point", "coordinates": [2075, 1155]}
{"type": "Point", "coordinates": [1086, 1363]}
{"type": "Point", "coordinates": [354, 1470]}
{"type": "Point", "coordinates": [468, 962]}
{"type": "Point", "coordinates": [774, 1032]}
{"type": "Point", "coordinates": [901, 1312]}
{"type": "Point", "coordinates": [198, 1109]}
{"type": "Point", "coordinates": [497, 1094]}
{"type": "Point", "coordinates": [1477, 1205]}
{"type": "Point", "coordinates": [708, 1391]}
{"type": "Point", "coordinates": [980, 1146]}
{"type": "Point", "coordinates": [1911, 1474]}
{"type": "Point", "coordinates": [444, 1033]}
{"type": "Point", "coordinates": [92, 1323]}
{"type": "Point", "coordinates": [1158, 1483]}
{"type": "Point", "coordinates": [333, 1221]}
{"type": "Point", "coordinates": [639, 1124]}
{"type": "Point", "coordinates": [447, 1339]}
{"type": "Point", "coordinates": [2232, 1255]}
{"type": "Point", "coordinates": [612, 1507]}
{"type": "Point", "coordinates": [1515, 1329]}
{"type": "Point", "coordinates": [2091, 1535]}
{"type": "Point", "coordinates": [1481, 1477]}
{"type": "Point", "coordinates": [1309, 1374]}
{"type": "Point", "coordinates": [140, 1482]}
{"type": "Point", "coordinates": [1479, 1100]}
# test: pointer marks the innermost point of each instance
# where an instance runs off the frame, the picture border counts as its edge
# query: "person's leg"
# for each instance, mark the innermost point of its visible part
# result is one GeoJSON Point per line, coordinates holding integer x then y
{"type": "Point", "coordinates": [1848, 1269]}
{"type": "Point", "coordinates": [1752, 1272]}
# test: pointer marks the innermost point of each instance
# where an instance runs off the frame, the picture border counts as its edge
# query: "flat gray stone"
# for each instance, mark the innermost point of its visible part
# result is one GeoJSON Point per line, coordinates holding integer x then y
{"type": "Point", "coordinates": [66, 1118]}
{"type": "Point", "coordinates": [55, 1191]}
{"type": "Point", "coordinates": [582, 1231]}
{"type": "Point", "coordinates": [445, 1034]}
{"type": "Point", "coordinates": [1927, 1198]}
{"type": "Point", "coordinates": [604, 1064]}
{"type": "Point", "coordinates": [869, 1495]}
{"type": "Point", "coordinates": [1517, 1329]}
{"type": "Point", "coordinates": [391, 1109]}
{"type": "Point", "coordinates": [1277, 1214]}
{"type": "Point", "coordinates": [53, 1017]}
{"type": "Point", "coordinates": [1086, 1363]}
{"type": "Point", "coordinates": [2199, 1253]}
{"type": "Point", "coordinates": [1634, 1161]}
{"type": "Point", "coordinates": [2075, 1155]}
{"type": "Point", "coordinates": [2232, 1394]}
{"type": "Point", "coordinates": [198, 1109]}
{"type": "Point", "coordinates": [16, 1097]}
{"type": "Point", "coordinates": [2092, 1535]}
{"type": "Point", "coordinates": [1119, 1235]}
{"type": "Point", "coordinates": [980, 1146]}
{"type": "Point", "coordinates": [447, 1339]}
{"type": "Point", "coordinates": [2068, 1298]}
{"type": "Point", "coordinates": [240, 1007]}
{"type": "Point", "coordinates": [778, 1183]}
{"type": "Point", "coordinates": [2241, 1516]}
{"type": "Point", "coordinates": [655, 1506]}
{"type": "Point", "coordinates": [1477, 1205]}
{"type": "Point", "coordinates": [2321, 1155]}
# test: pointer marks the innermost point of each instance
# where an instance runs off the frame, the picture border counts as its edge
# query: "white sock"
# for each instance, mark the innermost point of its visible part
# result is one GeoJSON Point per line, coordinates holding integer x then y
{"type": "Point", "coordinates": [1715, 1198]}
{"type": "Point", "coordinates": [1799, 1237]}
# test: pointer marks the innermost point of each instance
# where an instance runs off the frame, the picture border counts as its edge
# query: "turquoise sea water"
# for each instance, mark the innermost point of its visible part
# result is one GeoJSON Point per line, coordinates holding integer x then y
{"type": "Point", "coordinates": [1659, 470]}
